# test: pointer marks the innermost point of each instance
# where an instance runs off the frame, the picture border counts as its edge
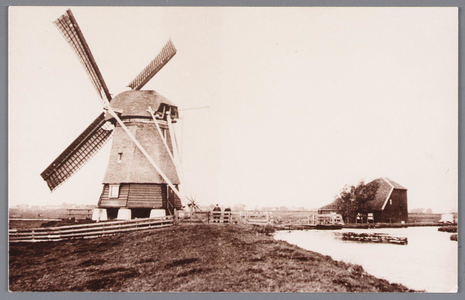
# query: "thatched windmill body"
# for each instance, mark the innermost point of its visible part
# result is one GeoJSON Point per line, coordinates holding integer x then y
{"type": "Point", "coordinates": [143, 170]}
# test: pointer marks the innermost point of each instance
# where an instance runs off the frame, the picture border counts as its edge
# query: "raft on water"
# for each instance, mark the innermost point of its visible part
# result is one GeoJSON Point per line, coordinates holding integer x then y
{"type": "Point", "coordinates": [374, 238]}
{"type": "Point", "coordinates": [451, 229]}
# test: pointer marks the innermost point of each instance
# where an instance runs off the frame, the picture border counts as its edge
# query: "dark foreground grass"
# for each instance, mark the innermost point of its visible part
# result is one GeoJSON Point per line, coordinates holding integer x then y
{"type": "Point", "coordinates": [201, 258]}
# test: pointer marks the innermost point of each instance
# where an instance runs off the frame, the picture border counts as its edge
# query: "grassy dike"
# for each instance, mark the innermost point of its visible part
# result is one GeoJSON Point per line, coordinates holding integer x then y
{"type": "Point", "coordinates": [187, 258]}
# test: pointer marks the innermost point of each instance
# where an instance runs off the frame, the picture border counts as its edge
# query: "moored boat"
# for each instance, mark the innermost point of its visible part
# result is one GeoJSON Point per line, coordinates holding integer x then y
{"type": "Point", "coordinates": [329, 226]}
{"type": "Point", "coordinates": [330, 221]}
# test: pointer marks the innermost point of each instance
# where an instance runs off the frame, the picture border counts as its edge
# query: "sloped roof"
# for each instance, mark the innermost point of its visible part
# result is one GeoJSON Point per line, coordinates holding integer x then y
{"type": "Point", "coordinates": [383, 192]}
{"type": "Point", "coordinates": [395, 184]}
{"type": "Point", "coordinates": [332, 205]}
{"type": "Point", "coordinates": [385, 188]}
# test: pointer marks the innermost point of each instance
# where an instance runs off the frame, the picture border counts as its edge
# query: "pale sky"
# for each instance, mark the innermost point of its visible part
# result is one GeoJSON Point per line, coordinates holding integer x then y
{"type": "Point", "coordinates": [301, 100]}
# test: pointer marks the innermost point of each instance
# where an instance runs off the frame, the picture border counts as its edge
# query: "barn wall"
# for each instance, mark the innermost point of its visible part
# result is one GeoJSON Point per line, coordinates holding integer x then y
{"type": "Point", "coordinates": [146, 196]}
{"type": "Point", "coordinates": [378, 216]}
{"type": "Point", "coordinates": [121, 201]}
{"type": "Point", "coordinates": [398, 210]}
{"type": "Point", "coordinates": [140, 196]}
{"type": "Point", "coordinates": [173, 199]}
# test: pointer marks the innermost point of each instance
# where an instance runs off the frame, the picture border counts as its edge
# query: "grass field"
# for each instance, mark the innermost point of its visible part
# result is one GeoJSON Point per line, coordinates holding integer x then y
{"type": "Point", "coordinates": [188, 258]}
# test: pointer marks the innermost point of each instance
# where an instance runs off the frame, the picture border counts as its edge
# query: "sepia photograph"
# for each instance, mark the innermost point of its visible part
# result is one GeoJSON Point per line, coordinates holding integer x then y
{"type": "Point", "coordinates": [233, 149]}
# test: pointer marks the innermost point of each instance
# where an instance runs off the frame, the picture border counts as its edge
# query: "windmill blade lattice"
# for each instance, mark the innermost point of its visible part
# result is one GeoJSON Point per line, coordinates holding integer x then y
{"type": "Point", "coordinates": [144, 187]}
{"type": "Point", "coordinates": [81, 150]}
{"type": "Point", "coordinates": [166, 53]}
{"type": "Point", "coordinates": [72, 33]}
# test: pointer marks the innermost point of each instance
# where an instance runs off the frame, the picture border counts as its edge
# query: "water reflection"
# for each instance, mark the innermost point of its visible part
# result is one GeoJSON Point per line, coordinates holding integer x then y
{"type": "Point", "coordinates": [429, 261]}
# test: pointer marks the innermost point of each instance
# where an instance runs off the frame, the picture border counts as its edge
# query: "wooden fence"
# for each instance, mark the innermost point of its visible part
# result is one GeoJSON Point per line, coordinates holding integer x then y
{"type": "Point", "coordinates": [258, 218]}
{"type": "Point", "coordinates": [206, 217]}
{"type": "Point", "coordinates": [86, 231]}
{"type": "Point", "coordinates": [94, 230]}
{"type": "Point", "coordinates": [193, 217]}
{"type": "Point", "coordinates": [79, 213]}
{"type": "Point", "coordinates": [209, 217]}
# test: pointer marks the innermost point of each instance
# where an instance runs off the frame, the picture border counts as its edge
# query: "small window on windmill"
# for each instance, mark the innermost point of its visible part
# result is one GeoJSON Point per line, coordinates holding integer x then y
{"type": "Point", "coordinates": [114, 191]}
{"type": "Point", "coordinates": [120, 156]}
{"type": "Point", "coordinates": [161, 111]}
{"type": "Point", "coordinates": [390, 201]}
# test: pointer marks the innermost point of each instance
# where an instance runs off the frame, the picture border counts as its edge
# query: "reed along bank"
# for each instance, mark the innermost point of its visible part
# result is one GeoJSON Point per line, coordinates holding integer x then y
{"type": "Point", "coordinates": [185, 258]}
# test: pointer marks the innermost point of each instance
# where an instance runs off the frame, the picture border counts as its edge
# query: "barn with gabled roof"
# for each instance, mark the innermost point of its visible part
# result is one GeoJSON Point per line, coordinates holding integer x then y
{"type": "Point", "coordinates": [388, 206]}
{"type": "Point", "coordinates": [390, 203]}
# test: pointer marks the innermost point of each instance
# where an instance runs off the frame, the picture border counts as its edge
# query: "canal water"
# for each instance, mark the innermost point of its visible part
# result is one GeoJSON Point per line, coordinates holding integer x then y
{"type": "Point", "coordinates": [429, 262]}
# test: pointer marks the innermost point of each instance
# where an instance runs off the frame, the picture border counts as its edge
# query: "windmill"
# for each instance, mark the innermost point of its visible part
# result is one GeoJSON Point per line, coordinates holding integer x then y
{"type": "Point", "coordinates": [142, 176]}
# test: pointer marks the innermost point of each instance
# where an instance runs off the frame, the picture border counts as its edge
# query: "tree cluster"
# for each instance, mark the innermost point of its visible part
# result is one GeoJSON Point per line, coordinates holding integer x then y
{"type": "Point", "coordinates": [354, 200]}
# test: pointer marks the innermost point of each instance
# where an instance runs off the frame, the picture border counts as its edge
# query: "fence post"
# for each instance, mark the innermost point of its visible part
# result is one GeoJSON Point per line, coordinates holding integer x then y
{"type": "Point", "coordinates": [72, 232]}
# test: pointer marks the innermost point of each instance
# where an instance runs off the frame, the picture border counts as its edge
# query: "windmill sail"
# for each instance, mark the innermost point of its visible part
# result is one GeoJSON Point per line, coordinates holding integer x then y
{"type": "Point", "coordinates": [166, 53]}
{"type": "Point", "coordinates": [78, 153]}
{"type": "Point", "coordinates": [72, 33]}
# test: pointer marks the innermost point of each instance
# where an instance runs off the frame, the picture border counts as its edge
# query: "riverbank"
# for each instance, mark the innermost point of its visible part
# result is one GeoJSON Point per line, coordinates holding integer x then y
{"type": "Point", "coordinates": [429, 252]}
{"type": "Point", "coordinates": [189, 258]}
{"type": "Point", "coordinates": [392, 225]}
{"type": "Point", "coordinates": [356, 226]}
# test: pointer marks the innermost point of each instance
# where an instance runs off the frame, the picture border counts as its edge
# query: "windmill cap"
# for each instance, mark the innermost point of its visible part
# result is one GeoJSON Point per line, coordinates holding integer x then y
{"type": "Point", "coordinates": [135, 103]}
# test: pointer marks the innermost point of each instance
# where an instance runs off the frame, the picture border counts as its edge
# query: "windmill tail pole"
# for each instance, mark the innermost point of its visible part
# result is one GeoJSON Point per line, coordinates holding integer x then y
{"type": "Point", "coordinates": [176, 158]}
{"type": "Point", "coordinates": [131, 136]}
{"type": "Point", "coordinates": [152, 113]}
{"type": "Point", "coordinates": [174, 143]}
